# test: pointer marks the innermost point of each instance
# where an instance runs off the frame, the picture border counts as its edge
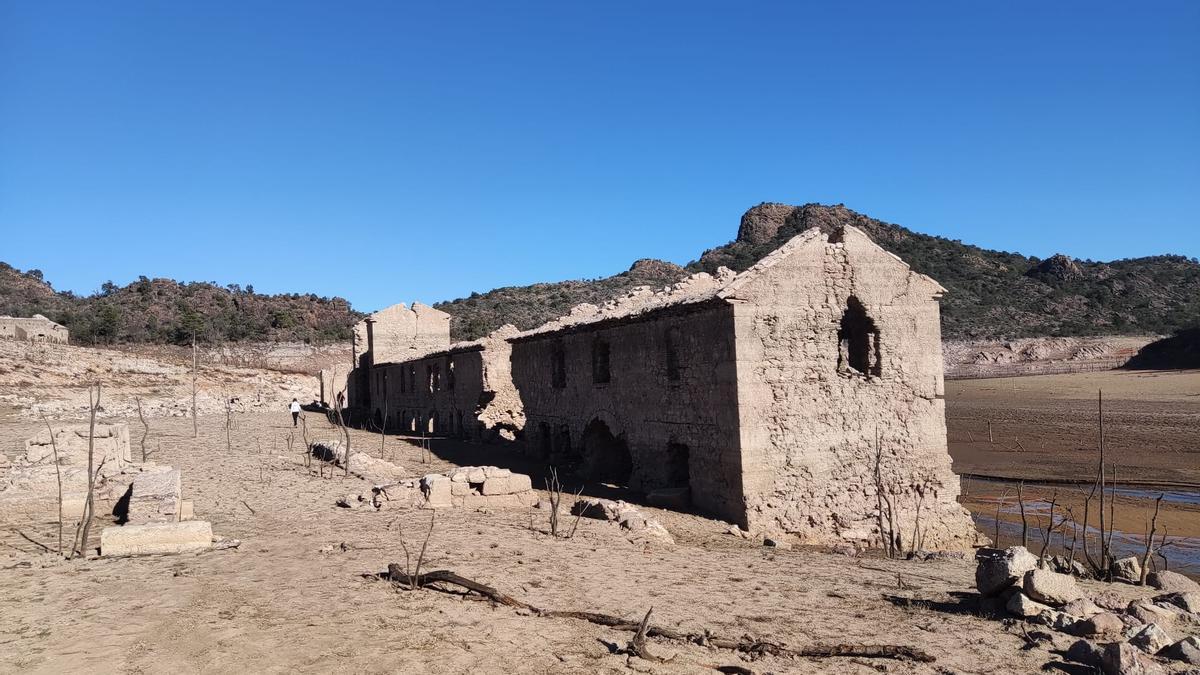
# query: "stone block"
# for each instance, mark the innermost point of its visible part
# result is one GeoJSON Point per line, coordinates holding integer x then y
{"type": "Point", "coordinates": [187, 510]}
{"type": "Point", "coordinates": [154, 497]}
{"type": "Point", "coordinates": [460, 489]}
{"type": "Point", "coordinates": [507, 485]}
{"type": "Point", "coordinates": [193, 535]}
{"type": "Point", "coordinates": [495, 472]}
{"type": "Point", "coordinates": [437, 491]}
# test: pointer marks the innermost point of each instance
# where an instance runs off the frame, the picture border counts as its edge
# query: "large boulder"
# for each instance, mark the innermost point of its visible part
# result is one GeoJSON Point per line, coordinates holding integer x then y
{"type": "Point", "coordinates": [1082, 608]}
{"type": "Point", "coordinates": [1188, 602]}
{"type": "Point", "coordinates": [1051, 588]}
{"type": "Point", "coordinates": [1186, 650]}
{"type": "Point", "coordinates": [1172, 582]}
{"type": "Point", "coordinates": [996, 570]}
{"type": "Point", "coordinates": [1151, 638]}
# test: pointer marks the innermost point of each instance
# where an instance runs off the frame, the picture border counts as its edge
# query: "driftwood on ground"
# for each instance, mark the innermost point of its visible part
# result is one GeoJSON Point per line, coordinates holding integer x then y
{"type": "Point", "coordinates": [642, 629]}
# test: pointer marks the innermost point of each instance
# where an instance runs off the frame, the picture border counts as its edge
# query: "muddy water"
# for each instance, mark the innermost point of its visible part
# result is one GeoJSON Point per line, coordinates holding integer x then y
{"type": "Point", "coordinates": [1132, 512]}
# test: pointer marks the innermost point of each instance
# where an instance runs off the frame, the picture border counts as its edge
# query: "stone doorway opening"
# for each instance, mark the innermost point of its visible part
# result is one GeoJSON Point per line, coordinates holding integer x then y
{"type": "Point", "coordinates": [606, 457]}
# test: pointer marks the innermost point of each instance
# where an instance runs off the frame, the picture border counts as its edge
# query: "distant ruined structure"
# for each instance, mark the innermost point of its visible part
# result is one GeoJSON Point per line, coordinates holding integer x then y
{"type": "Point", "coordinates": [803, 395]}
{"type": "Point", "coordinates": [33, 329]}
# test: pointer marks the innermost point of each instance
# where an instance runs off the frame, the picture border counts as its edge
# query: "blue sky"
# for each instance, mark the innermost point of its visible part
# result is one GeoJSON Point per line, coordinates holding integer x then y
{"type": "Point", "coordinates": [388, 153]}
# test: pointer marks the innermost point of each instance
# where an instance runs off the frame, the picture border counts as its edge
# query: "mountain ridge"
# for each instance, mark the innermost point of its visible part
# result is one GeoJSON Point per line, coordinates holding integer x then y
{"type": "Point", "coordinates": [991, 294]}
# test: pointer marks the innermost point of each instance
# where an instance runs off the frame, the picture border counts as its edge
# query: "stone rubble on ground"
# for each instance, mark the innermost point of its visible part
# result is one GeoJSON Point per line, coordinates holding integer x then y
{"type": "Point", "coordinates": [631, 520]}
{"type": "Point", "coordinates": [1120, 635]}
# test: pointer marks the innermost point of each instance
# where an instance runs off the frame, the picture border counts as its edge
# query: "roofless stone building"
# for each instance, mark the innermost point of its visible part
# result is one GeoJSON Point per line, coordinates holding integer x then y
{"type": "Point", "coordinates": [784, 397]}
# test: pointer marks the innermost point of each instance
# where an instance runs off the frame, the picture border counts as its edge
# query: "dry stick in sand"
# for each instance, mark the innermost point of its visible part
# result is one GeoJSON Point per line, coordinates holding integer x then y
{"type": "Point", "coordinates": [195, 428]}
{"type": "Point", "coordinates": [228, 423]}
{"type": "Point", "coordinates": [999, 503]}
{"type": "Point", "coordinates": [1150, 541]}
{"type": "Point", "coordinates": [145, 427]}
{"type": "Point", "coordinates": [412, 577]}
{"type": "Point", "coordinates": [746, 645]}
{"type": "Point", "coordinates": [58, 477]}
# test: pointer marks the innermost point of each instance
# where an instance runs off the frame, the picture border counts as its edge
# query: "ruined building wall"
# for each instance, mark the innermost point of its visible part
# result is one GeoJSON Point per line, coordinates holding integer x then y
{"type": "Point", "coordinates": [810, 418]}
{"type": "Point", "coordinates": [32, 329]}
{"type": "Point", "coordinates": [669, 402]}
{"type": "Point", "coordinates": [394, 335]}
{"type": "Point", "coordinates": [465, 391]}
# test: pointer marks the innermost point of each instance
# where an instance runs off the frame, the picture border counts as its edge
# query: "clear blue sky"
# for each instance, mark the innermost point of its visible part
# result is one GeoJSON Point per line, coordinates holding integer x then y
{"type": "Point", "coordinates": [387, 153]}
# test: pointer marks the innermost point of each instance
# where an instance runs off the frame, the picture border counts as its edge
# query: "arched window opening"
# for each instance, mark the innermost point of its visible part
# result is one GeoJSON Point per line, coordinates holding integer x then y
{"type": "Point", "coordinates": [558, 366]}
{"type": "Point", "coordinates": [600, 370]}
{"type": "Point", "coordinates": [672, 344]}
{"type": "Point", "coordinates": [858, 342]}
{"type": "Point", "coordinates": [606, 457]}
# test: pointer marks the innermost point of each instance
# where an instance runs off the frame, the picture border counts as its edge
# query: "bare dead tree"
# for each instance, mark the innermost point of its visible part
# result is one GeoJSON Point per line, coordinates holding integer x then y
{"type": "Point", "coordinates": [1024, 522]}
{"type": "Point", "coordinates": [228, 423]}
{"type": "Point", "coordinates": [999, 502]}
{"type": "Point", "coordinates": [195, 427]}
{"type": "Point", "coordinates": [887, 529]}
{"type": "Point", "coordinates": [1104, 552]}
{"type": "Point", "coordinates": [337, 408]}
{"type": "Point", "coordinates": [555, 487]}
{"type": "Point", "coordinates": [79, 545]}
{"type": "Point", "coordinates": [145, 428]}
{"type": "Point", "coordinates": [1150, 541]}
{"type": "Point", "coordinates": [58, 478]}
{"type": "Point", "coordinates": [1048, 535]}
{"type": "Point", "coordinates": [917, 538]}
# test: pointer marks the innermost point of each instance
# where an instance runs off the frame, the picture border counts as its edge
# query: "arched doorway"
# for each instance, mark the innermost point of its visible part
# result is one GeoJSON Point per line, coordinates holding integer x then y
{"type": "Point", "coordinates": [606, 458]}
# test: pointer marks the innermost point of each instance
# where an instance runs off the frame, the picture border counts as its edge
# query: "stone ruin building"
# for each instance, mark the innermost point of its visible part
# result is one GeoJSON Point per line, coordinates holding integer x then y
{"type": "Point", "coordinates": [799, 396]}
{"type": "Point", "coordinates": [36, 328]}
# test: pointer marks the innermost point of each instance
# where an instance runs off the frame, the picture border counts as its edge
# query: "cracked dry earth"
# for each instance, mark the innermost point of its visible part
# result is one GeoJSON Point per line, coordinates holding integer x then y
{"type": "Point", "coordinates": [298, 596]}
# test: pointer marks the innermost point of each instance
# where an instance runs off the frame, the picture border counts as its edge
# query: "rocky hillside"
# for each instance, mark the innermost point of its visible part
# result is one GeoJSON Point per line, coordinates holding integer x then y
{"type": "Point", "coordinates": [992, 294]}
{"type": "Point", "coordinates": [166, 311]}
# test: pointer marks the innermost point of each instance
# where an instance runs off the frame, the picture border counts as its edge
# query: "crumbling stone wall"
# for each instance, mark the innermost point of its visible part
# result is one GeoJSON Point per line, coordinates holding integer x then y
{"type": "Point", "coordinates": [838, 345]}
{"type": "Point", "coordinates": [465, 391]}
{"type": "Point", "coordinates": [399, 333]}
{"type": "Point", "coordinates": [32, 329]}
{"type": "Point", "coordinates": [667, 400]}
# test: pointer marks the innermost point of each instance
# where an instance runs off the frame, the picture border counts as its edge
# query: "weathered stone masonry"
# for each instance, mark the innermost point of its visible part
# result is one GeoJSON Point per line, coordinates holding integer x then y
{"type": "Point", "coordinates": [36, 328]}
{"type": "Point", "coordinates": [776, 395]}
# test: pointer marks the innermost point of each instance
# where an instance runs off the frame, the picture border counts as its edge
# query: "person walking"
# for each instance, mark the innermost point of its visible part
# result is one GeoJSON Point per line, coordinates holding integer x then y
{"type": "Point", "coordinates": [295, 408]}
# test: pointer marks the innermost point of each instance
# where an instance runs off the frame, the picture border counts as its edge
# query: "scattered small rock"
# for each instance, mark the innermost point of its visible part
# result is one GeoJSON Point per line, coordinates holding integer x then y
{"type": "Point", "coordinates": [1122, 658]}
{"type": "Point", "coordinates": [1102, 624]}
{"type": "Point", "coordinates": [1023, 606]}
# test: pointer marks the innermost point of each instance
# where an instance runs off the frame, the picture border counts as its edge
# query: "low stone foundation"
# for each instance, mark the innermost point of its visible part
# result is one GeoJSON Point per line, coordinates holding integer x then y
{"type": "Point", "coordinates": [477, 487]}
{"type": "Point", "coordinates": [156, 538]}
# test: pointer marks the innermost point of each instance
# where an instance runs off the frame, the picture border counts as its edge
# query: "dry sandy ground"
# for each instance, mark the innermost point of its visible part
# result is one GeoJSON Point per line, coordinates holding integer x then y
{"type": "Point", "coordinates": [1046, 426]}
{"type": "Point", "coordinates": [294, 596]}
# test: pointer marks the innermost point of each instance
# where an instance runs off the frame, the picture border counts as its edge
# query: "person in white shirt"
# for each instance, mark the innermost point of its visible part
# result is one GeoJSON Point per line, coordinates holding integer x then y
{"type": "Point", "coordinates": [295, 408]}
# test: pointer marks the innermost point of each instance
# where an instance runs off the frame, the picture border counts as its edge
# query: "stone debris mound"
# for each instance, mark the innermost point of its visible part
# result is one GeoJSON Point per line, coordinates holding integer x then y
{"type": "Point", "coordinates": [145, 498]}
{"type": "Point", "coordinates": [366, 467]}
{"type": "Point", "coordinates": [1143, 636]}
{"type": "Point", "coordinates": [477, 487]}
{"type": "Point", "coordinates": [632, 521]}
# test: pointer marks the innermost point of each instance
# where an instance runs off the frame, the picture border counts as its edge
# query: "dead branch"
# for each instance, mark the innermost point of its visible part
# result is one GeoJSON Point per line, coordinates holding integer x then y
{"type": "Point", "coordinates": [746, 645]}
{"type": "Point", "coordinates": [145, 427]}
{"type": "Point", "coordinates": [1150, 541]}
{"type": "Point", "coordinates": [1024, 523]}
{"type": "Point", "coordinates": [58, 478]}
